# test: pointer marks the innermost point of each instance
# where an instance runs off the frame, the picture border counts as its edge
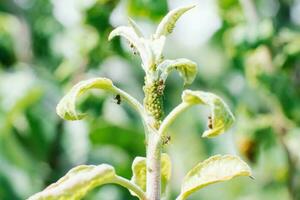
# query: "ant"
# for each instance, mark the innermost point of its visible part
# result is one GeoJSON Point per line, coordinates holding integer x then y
{"type": "Point", "coordinates": [118, 99]}
{"type": "Point", "coordinates": [166, 140]}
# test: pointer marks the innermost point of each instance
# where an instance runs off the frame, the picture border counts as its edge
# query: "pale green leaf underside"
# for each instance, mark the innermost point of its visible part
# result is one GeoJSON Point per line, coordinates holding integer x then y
{"type": "Point", "coordinates": [186, 68]}
{"type": "Point", "coordinates": [135, 27]}
{"type": "Point", "coordinates": [138, 43]}
{"type": "Point", "coordinates": [215, 169]}
{"type": "Point", "coordinates": [140, 172]}
{"type": "Point", "coordinates": [127, 32]}
{"type": "Point", "coordinates": [167, 24]}
{"type": "Point", "coordinates": [157, 46]}
{"type": "Point", "coordinates": [221, 116]}
{"type": "Point", "coordinates": [66, 108]}
{"type": "Point", "coordinates": [77, 182]}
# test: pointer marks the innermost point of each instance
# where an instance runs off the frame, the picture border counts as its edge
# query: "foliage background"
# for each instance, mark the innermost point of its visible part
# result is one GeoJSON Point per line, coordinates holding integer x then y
{"type": "Point", "coordinates": [247, 51]}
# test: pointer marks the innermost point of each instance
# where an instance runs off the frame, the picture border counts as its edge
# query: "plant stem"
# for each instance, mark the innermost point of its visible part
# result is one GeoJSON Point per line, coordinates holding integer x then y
{"type": "Point", "coordinates": [153, 167]}
{"type": "Point", "coordinates": [153, 105]}
{"type": "Point", "coordinates": [171, 117]}
{"type": "Point", "coordinates": [127, 184]}
{"type": "Point", "coordinates": [131, 101]}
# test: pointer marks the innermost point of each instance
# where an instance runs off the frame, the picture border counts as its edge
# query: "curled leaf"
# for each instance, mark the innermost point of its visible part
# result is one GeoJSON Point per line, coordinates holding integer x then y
{"type": "Point", "coordinates": [140, 172]}
{"type": "Point", "coordinates": [186, 68]}
{"type": "Point", "coordinates": [167, 24]}
{"type": "Point", "coordinates": [136, 42]}
{"type": "Point", "coordinates": [135, 27]}
{"type": "Point", "coordinates": [157, 46]}
{"type": "Point", "coordinates": [213, 170]}
{"type": "Point", "coordinates": [66, 108]}
{"type": "Point", "coordinates": [221, 118]}
{"type": "Point", "coordinates": [77, 182]}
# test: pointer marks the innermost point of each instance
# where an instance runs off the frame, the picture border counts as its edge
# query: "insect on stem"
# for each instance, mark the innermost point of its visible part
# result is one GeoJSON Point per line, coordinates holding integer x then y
{"type": "Point", "coordinates": [166, 140]}
{"type": "Point", "coordinates": [118, 99]}
{"type": "Point", "coordinates": [210, 125]}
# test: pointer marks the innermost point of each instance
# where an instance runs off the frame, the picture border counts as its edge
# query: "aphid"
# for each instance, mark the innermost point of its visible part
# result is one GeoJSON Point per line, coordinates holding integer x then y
{"type": "Point", "coordinates": [210, 125]}
{"type": "Point", "coordinates": [118, 99]}
{"type": "Point", "coordinates": [135, 53]}
{"type": "Point", "coordinates": [161, 82]}
{"type": "Point", "coordinates": [161, 87]}
{"type": "Point", "coordinates": [167, 139]}
{"type": "Point", "coordinates": [133, 49]}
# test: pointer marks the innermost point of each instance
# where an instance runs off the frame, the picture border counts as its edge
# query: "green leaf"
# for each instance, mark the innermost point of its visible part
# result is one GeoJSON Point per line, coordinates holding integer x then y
{"type": "Point", "coordinates": [82, 179]}
{"type": "Point", "coordinates": [66, 108]}
{"type": "Point", "coordinates": [137, 43]}
{"type": "Point", "coordinates": [77, 182]}
{"type": "Point", "coordinates": [167, 24]}
{"type": "Point", "coordinates": [140, 172]}
{"type": "Point", "coordinates": [213, 170]}
{"type": "Point", "coordinates": [221, 118]}
{"type": "Point", "coordinates": [186, 68]}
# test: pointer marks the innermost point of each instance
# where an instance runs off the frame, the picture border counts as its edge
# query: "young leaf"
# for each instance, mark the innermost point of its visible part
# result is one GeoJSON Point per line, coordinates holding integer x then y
{"type": "Point", "coordinates": [186, 68]}
{"type": "Point", "coordinates": [157, 46]}
{"type": "Point", "coordinates": [129, 33]}
{"type": "Point", "coordinates": [140, 172]}
{"type": "Point", "coordinates": [167, 24]}
{"type": "Point", "coordinates": [135, 27]}
{"type": "Point", "coordinates": [66, 108]}
{"type": "Point", "coordinates": [77, 182]}
{"type": "Point", "coordinates": [136, 42]}
{"type": "Point", "coordinates": [221, 117]}
{"type": "Point", "coordinates": [215, 169]}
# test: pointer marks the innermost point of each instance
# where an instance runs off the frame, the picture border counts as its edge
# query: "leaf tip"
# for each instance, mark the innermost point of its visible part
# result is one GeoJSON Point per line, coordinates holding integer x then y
{"type": "Point", "coordinates": [130, 21]}
{"type": "Point", "coordinates": [191, 6]}
{"type": "Point", "coordinates": [167, 24]}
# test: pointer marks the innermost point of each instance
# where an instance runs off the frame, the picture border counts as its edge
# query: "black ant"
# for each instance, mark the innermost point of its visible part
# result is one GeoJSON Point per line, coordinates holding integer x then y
{"type": "Point", "coordinates": [118, 99]}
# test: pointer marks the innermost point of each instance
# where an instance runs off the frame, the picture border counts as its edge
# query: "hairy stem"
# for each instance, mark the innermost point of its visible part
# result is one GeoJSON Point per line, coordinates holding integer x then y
{"type": "Point", "coordinates": [153, 105]}
{"type": "Point", "coordinates": [153, 167]}
{"type": "Point", "coordinates": [131, 101]}
{"type": "Point", "coordinates": [171, 117]}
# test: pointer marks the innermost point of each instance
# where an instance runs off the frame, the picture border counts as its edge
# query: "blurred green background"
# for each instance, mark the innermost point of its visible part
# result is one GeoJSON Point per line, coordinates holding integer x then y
{"type": "Point", "coordinates": [248, 52]}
